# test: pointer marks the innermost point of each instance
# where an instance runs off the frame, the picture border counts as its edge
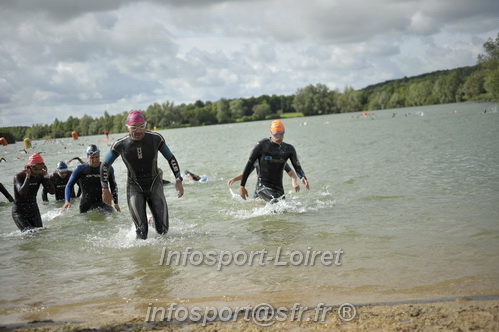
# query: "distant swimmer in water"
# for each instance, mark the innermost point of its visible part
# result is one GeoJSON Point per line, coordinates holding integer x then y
{"type": "Point", "coordinates": [272, 154]}
{"type": "Point", "coordinates": [6, 193]}
{"type": "Point", "coordinates": [287, 168]}
{"type": "Point", "coordinates": [75, 158]}
{"type": "Point", "coordinates": [88, 176]}
{"type": "Point", "coordinates": [194, 177]}
{"type": "Point", "coordinates": [25, 210]}
{"type": "Point", "coordinates": [2, 159]}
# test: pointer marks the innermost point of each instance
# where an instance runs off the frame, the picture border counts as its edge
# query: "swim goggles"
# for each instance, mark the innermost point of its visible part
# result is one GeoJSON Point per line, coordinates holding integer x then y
{"type": "Point", "coordinates": [91, 153]}
{"type": "Point", "coordinates": [38, 167]}
{"type": "Point", "coordinates": [279, 133]}
{"type": "Point", "coordinates": [142, 126]}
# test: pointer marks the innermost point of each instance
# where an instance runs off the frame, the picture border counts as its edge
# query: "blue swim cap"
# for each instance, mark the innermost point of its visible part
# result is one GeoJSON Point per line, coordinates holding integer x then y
{"type": "Point", "coordinates": [61, 166]}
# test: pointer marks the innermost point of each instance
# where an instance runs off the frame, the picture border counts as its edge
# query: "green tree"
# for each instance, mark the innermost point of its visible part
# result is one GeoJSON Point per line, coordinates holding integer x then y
{"type": "Point", "coordinates": [237, 108]}
{"type": "Point", "coordinates": [473, 87]}
{"type": "Point", "coordinates": [223, 111]}
{"type": "Point", "coordinates": [261, 111]}
{"type": "Point", "coordinates": [313, 100]}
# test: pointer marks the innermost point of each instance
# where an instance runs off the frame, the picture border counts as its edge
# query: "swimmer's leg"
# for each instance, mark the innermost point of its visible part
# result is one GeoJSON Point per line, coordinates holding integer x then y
{"type": "Point", "coordinates": [24, 222]}
{"type": "Point", "coordinates": [159, 208]}
{"type": "Point", "coordinates": [137, 206]}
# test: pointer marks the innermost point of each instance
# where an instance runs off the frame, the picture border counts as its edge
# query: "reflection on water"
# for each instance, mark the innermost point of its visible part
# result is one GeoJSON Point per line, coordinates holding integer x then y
{"type": "Point", "coordinates": [412, 202]}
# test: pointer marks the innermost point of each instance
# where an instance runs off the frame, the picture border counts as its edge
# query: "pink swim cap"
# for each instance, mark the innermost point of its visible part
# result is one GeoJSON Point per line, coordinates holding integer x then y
{"type": "Point", "coordinates": [34, 159]}
{"type": "Point", "coordinates": [135, 117]}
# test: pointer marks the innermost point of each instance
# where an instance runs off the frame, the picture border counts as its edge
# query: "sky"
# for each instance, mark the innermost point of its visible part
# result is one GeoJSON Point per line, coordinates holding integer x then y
{"type": "Point", "coordinates": [70, 57]}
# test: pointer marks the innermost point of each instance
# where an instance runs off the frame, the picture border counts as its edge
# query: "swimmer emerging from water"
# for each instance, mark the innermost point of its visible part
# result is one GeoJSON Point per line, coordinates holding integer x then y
{"type": "Point", "coordinates": [139, 151]}
{"type": "Point", "coordinates": [287, 169]}
{"type": "Point", "coordinates": [272, 154]}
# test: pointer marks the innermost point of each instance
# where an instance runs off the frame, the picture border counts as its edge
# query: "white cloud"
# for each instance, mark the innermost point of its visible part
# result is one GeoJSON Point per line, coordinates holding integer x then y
{"type": "Point", "coordinates": [61, 58]}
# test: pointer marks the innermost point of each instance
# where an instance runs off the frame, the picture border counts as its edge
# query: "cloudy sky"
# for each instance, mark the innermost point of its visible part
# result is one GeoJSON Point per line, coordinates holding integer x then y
{"type": "Point", "coordinates": [76, 57]}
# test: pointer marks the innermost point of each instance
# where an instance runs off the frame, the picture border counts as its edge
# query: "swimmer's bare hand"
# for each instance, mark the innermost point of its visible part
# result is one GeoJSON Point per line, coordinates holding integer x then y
{"type": "Point", "coordinates": [295, 185]}
{"type": "Point", "coordinates": [243, 192]}
{"type": "Point", "coordinates": [107, 197]}
{"type": "Point", "coordinates": [66, 206]}
{"type": "Point", "coordinates": [117, 207]}
{"type": "Point", "coordinates": [305, 183]}
{"type": "Point", "coordinates": [180, 188]}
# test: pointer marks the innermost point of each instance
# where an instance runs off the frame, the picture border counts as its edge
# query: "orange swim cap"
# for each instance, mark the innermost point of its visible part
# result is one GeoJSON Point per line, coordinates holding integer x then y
{"type": "Point", "coordinates": [34, 159]}
{"type": "Point", "coordinates": [276, 126]}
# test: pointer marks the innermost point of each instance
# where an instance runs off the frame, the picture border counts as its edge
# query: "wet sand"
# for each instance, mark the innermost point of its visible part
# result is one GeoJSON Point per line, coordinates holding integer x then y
{"type": "Point", "coordinates": [461, 314]}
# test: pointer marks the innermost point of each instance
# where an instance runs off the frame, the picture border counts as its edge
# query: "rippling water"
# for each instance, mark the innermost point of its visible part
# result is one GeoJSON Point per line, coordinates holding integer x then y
{"type": "Point", "coordinates": [411, 200]}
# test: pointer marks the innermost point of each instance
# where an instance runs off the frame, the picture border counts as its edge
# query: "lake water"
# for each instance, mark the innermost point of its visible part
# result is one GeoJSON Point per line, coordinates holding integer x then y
{"type": "Point", "coordinates": [411, 201]}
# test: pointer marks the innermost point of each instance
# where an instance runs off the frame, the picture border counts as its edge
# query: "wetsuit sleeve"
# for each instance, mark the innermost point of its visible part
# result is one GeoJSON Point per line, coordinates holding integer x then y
{"type": "Point", "coordinates": [48, 185]}
{"type": "Point", "coordinates": [72, 180]}
{"type": "Point", "coordinates": [297, 166]}
{"type": "Point", "coordinates": [287, 168]}
{"type": "Point", "coordinates": [112, 185]}
{"type": "Point", "coordinates": [250, 165]}
{"type": "Point", "coordinates": [105, 166]}
{"type": "Point", "coordinates": [45, 197]}
{"type": "Point", "coordinates": [6, 193]}
{"type": "Point", "coordinates": [22, 185]}
{"type": "Point", "coordinates": [165, 151]}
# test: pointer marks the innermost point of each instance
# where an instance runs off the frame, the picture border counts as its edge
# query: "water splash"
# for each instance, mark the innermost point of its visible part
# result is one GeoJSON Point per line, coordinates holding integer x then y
{"type": "Point", "coordinates": [258, 207]}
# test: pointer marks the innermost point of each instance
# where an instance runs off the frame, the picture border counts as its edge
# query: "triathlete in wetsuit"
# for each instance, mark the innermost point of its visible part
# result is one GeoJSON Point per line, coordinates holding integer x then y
{"type": "Point", "coordinates": [6, 193]}
{"type": "Point", "coordinates": [88, 176]}
{"type": "Point", "coordinates": [272, 154]}
{"type": "Point", "coordinates": [256, 166]}
{"type": "Point", "coordinates": [25, 210]}
{"type": "Point", "coordinates": [139, 151]}
{"type": "Point", "coordinates": [59, 179]}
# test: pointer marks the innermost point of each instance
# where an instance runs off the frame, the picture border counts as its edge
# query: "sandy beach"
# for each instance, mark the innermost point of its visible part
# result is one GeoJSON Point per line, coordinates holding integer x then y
{"type": "Point", "coordinates": [461, 314]}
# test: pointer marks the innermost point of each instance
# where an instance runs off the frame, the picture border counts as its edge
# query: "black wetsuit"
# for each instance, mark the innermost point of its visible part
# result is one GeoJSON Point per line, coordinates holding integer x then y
{"type": "Point", "coordinates": [6, 193]}
{"type": "Point", "coordinates": [90, 184]}
{"type": "Point", "coordinates": [271, 158]}
{"type": "Point", "coordinates": [144, 183]}
{"type": "Point", "coordinates": [60, 187]}
{"type": "Point", "coordinates": [256, 166]}
{"type": "Point", "coordinates": [25, 210]}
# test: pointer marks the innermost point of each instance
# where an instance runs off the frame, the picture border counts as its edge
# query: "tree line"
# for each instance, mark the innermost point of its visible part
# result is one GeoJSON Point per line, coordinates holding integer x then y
{"type": "Point", "coordinates": [474, 83]}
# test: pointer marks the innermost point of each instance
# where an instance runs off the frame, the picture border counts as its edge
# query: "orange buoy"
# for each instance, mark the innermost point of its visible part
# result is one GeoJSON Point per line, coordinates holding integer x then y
{"type": "Point", "coordinates": [3, 141]}
{"type": "Point", "coordinates": [75, 135]}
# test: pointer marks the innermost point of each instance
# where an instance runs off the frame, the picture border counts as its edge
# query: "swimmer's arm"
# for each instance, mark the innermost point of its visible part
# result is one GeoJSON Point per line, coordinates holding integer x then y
{"type": "Point", "coordinates": [250, 165]}
{"type": "Point", "coordinates": [294, 181]}
{"type": "Point", "coordinates": [234, 179]}
{"type": "Point", "coordinates": [22, 186]}
{"type": "Point", "coordinates": [48, 185]}
{"type": "Point", "coordinates": [72, 180]}
{"type": "Point", "coordinates": [6, 193]}
{"type": "Point", "coordinates": [104, 169]}
{"type": "Point", "coordinates": [299, 171]}
{"type": "Point", "coordinates": [172, 161]}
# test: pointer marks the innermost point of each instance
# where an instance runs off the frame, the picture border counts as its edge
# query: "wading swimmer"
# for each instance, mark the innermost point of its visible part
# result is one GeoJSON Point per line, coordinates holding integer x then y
{"type": "Point", "coordinates": [88, 177]}
{"type": "Point", "coordinates": [59, 179]}
{"type": "Point", "coordinates": [139, 151]}
{"type": "Point", "coordinates": [25, 210]}
{"type": "Point", "coordinates": [287, 169]}
{"type": "Point", "coordinates": [271, 154]}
